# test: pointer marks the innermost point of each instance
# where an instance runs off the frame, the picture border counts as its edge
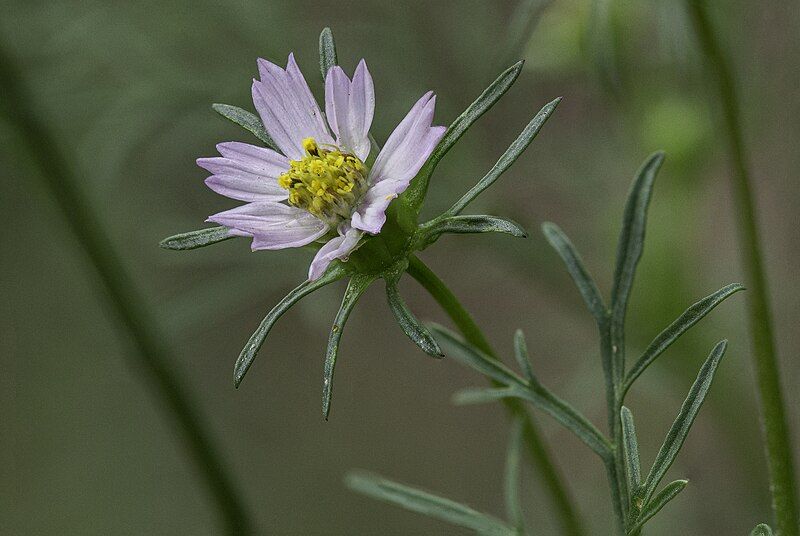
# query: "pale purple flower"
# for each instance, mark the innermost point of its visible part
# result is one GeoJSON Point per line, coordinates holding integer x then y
{"type": "Point", "coordinates": [319, 189]}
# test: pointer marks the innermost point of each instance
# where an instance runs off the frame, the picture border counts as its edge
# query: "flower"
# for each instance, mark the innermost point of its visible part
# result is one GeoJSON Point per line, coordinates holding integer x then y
{"type": "Point", "coordinates": [319, 187]}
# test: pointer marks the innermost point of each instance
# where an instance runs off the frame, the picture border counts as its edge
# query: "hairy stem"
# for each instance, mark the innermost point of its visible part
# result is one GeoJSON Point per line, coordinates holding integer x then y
{"type": "Point", "coordinates": [152, 355]}
{"type": "Point", "coordinates": [567, 514]}
{"type": "Point", "coordinates": [773, 413]}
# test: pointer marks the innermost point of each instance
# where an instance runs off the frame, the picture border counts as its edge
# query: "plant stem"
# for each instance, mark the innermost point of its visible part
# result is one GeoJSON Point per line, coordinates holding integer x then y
{"type": "Point", "coordinates": [152, 355]}
{"type": "Point", "coordinates": [567, 514]}
{"type": "Point", "coordinates": [773, 414]}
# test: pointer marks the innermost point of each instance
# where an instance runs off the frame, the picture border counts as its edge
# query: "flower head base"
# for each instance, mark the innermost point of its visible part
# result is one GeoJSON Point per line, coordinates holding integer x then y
{"type": "Point", "coordinates": [326, 182]}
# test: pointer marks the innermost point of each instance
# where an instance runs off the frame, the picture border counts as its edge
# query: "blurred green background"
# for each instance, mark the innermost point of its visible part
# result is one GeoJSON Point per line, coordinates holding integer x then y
{"type": "Point", "coordinates": [126, 89]}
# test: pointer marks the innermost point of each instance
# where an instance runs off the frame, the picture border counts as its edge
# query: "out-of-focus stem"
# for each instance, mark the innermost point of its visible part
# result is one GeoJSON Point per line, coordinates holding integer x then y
{"type": "Point", "coordinates": [773, 414]}
{"type": "Point", "coordinates": [567, 515]}
{"type": "Point", "coordinates": [152, 355]}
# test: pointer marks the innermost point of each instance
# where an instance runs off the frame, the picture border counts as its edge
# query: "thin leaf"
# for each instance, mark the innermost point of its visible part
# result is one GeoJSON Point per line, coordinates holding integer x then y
{"type": "Point", "coordinates": [509, 157]}
{"type": "Point", "coordinates": [659, 501]}
{"type": "Point", "coordinates": [358, 284]}
{"type": "Point", "coordinates": [248, 354]}
{"type": "Point", "coordinates": [246, 120]}
{"type": "Point", "coordinates": [412, 327]}
{"type": "Point", "coordinates": [426, 504]}
{"type": "Point", "coordinates": [522, 356]}
{"type": "Point", "coordinates": [534, 392]}
{"type": "Point", "coordinates": [680, 428]}
{"type": "Point", "coordinates": [761, 530]}
{"type": "Point", "coordinates": [584, 282]}
{"type": "Point", "coordinates": [196, 239]}
{"type": "Point", "coordinates": [629, 251]}
{"type": "Point", "coordinates": [431, 231]}
{"type": "Point", "coordinates": [681, 325]}
{"type": "Point", "coordinates": [513, 476]}
{"type": "Point", "coordinates": [483, 395]}
{"type": "Point", "coordinates": [630, 445]}
{"type": "Point", "coordinates": [327, 52]}
{"type": "Point", "coordinates": [416, 192]}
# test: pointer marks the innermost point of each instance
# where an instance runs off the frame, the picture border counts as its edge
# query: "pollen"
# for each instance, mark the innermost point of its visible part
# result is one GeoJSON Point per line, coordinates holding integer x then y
{"type": "Point", "coordinates": [326, 181]}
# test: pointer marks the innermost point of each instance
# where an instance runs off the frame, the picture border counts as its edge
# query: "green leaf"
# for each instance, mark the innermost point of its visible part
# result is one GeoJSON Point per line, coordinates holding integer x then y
{"type": "Point", "coordinates": [426, 504]}
{"type": "Point", "coordinates": [412, 327]}
{"type": "Point", "coordinates": [509, 157]}
{"type": "Point", "coordinates": [327, 52]}
{"type": "Point", "coordinates": [631, 450]}
{"type": "Point", "coordinates": [522, 356]}
{"type": "Point", "coordinates": [680, 428]}
{"type": "Point", "coordinates": [629, 251]}
{"type": "Point", "coordinates": [196, 239]}
{"type": "Point", "coordinates": [483, 395]}
{"type": "Point", "coordinates": [415, 194]}
{"type": "Point", "coordinates": [358, 284]}
{"type": "Point", "coordinates": [247, 120]}
{"type": "Point", "coordinates": [431, 231]}
{"type": "Point", "coordinates": [681, 325]}
{"type": "Point", "coordinates": [584, 282]}
{"type": "Point", "coordinates": [659, 501]}
{"type": "Point", "coordinates": [512, 479]}
{"type": "Point", "coordinates": [761, 530]}
{"type": "Point", "coordinates": [335, 272]}
{"type": "Point", "coordinates": [534, 392]}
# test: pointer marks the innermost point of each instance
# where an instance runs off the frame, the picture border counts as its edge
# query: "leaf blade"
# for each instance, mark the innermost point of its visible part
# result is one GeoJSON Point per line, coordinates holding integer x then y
{"type": "Point", "coordinates": [522, 356]}
{"type": "Point", "coordinates": [762, 529]}
{"type": "Point", "coordinates": [327, 51]}
{"type": "Point", "coordinates": [248, 353]}
{"type": "Point", "coordinates": [196, 239]}
{"type": "Point", "coordinates": [426, 503]}
{"type": "Point", "coordinates": [511, 154]}
{"type": "Point", "coordinates": [512, 477]}
{"type": "Point", "coordinates": [680, 428]}
{"type": "Point", "coordinates": [412, 327]}
{"type": "Point", "coordinates": [633, 468]}
{"type": "Point", "coordinates": [669, 492]}
{"type": "Point", "coordinates": [249, 121]}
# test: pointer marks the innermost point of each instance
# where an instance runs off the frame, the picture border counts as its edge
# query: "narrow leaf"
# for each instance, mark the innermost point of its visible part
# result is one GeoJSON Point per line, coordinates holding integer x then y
{"type": "Point", "coordinates": [761, 530]}
{"type": "Point", "coordinates": [659, 501]}
{"type": "Point", "coordinates": [681, 325]}
{"type": "Point", "coordinates": [509, 157]}
{"type": "Point", "coordinates": [247, 120]}
{"type": "Point", "coordinates": [248, 354]}
{"type": "Point", "coordinates": [630, 445]}
{"type": "Point", "coordinates": [358, 284]}
{"type": "Point", "coordinates": [415, 331]}
{"type": "Point", "coordinates": [629, 251]}
{"type": "Point", "coordinates": [512, 479]}
{"type": "Point", "coordinates": [542, 398]}
{"type": "Point", "coordinates": [483, 395]}
{"type": "Point", "coordinates": [522, 356]}
{"type": "Point", "coordinates": [196, 239]}
{"type": "Point", "coordinates": [416, 192]}
{"type": "Point", "coordinates": [680, 428]}
{"type": "Point", "coordinates": [327, 52]}
{"type": "Point", "coordinates": [584, 282]}
{"type": "Point", "coordinates": [467, 225]}
{"type": "Point", "coordinates": [426, 504]}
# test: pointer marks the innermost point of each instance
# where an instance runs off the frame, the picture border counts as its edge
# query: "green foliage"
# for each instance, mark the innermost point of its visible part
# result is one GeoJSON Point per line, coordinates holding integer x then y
{"type": "Point", "coordinates": [761, 529]}
{"type": "Point", "coordinates": [196, 239]}
{"type": "Point", "coordinates": [249, 121]}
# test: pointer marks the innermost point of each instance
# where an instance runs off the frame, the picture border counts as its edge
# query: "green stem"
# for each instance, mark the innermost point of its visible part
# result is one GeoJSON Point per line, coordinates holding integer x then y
{"type": "Point", "coordinates": [773, 414]}
{"type": "Point", "coordinates": [567, 514]}
{"type": "Point", "coordinates": [152, 354]}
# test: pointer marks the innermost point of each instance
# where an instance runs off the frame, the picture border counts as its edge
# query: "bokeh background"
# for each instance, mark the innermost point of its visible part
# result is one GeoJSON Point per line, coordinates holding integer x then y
{"type": "Point", "coordinates": [126, 86]}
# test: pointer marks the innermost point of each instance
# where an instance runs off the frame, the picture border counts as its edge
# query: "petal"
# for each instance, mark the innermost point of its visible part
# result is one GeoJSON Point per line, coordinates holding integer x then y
{"type": "Point", "coordinates": [406, 150]}
{"type": "Point", "coordinates": [287, 108]}
{"type": "Point", "coordinates": [246, 172]}
{"type": "Point", "coordinates": [349, 107]}
{"type": "Point", "coordinates": [272, 225]}
{"type": "Point", "coordinates": [336, 248]}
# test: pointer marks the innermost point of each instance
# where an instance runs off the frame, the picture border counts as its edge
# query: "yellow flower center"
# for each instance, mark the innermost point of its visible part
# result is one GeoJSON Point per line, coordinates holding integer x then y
{"type": "Point", "coordinates": [326, 182]}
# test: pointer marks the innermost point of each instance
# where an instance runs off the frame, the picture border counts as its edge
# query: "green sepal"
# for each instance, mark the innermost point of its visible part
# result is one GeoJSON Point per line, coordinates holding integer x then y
{"type": "Point", "coordinates": [426, 504]}
{"type": "Point", "coordinates": [415, 194]}
{"type": "Point", "coordinates": [246, 120]}
{"type": "Point", "coordinates": [196, 239]}
{"type": "Point", "coordinates": [358, 284]}
{"type": "Point", "coordinates": [413, 328]}
{"type": "Point", "coordinates": [335, 272]}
